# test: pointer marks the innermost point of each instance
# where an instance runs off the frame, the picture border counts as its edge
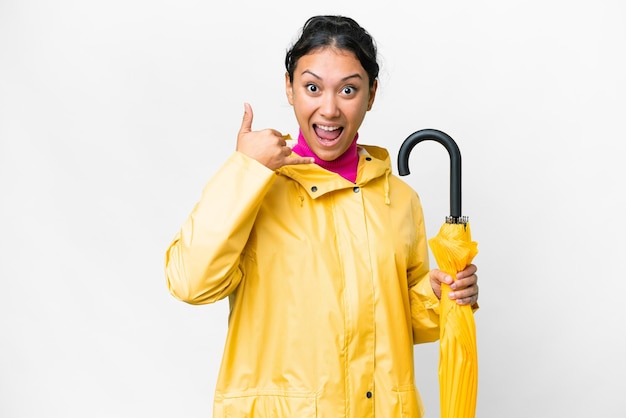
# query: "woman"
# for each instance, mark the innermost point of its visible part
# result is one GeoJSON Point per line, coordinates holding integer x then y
{"type": "Point", "coordinates": [320, 248]}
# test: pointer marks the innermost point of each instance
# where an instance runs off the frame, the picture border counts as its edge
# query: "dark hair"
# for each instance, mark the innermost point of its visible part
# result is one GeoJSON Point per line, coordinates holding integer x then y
{"type": "Point", "coordinates": [339, 32]}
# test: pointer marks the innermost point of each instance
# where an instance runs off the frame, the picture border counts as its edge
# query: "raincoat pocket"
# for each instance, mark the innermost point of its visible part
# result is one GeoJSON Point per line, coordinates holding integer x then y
{"type": "Point", "coordinates": [409, 402]}
{"type": "Point", "coordinates": [262, 404]}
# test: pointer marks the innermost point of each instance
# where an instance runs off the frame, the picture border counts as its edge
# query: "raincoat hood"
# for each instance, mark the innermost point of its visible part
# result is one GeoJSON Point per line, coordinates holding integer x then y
{"type": "Point", "coordinates": [318, 181]}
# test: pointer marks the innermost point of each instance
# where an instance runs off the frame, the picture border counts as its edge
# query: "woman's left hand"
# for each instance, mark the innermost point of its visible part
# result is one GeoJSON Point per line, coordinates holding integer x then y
{"type": "Point", "coordinates": [464, 288]}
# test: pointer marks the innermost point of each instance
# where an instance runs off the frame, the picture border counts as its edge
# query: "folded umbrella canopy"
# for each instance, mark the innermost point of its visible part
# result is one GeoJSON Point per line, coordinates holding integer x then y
{"type": "Point", "coordinates": [453, 250]}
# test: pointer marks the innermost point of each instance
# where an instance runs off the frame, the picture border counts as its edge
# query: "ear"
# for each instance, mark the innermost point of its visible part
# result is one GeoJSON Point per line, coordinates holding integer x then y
{"type": "Point", "coordinates": [288, 89]}
{"type": "Point", "coordinates": [370, 102]}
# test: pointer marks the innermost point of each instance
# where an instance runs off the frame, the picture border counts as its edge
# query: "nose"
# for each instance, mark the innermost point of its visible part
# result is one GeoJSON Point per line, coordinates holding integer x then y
{"type": "Point", "coordinates": [329, 105]}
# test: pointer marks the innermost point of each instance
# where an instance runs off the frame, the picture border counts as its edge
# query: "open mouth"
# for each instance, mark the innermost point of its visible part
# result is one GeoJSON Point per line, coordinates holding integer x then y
{"type": "Point", "coordinates": [327, 134]}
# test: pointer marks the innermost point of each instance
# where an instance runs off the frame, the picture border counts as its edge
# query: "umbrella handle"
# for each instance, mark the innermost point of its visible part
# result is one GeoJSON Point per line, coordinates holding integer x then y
{"type": "Point", "coordinates": [455, 162]}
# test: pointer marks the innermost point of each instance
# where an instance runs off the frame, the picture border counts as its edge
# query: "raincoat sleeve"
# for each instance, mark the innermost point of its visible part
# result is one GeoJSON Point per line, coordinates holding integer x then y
{"type": "Point", "coordinates": [424, 302]}
{"type": "Point", "coordinates": [202, 262]}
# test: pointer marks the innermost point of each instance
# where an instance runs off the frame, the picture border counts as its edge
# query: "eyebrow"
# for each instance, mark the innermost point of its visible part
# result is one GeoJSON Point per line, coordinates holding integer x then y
{"type": "Point", "coordinates": [355, 75]}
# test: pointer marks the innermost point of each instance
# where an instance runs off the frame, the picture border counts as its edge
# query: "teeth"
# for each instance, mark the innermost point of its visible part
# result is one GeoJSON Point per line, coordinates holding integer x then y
{"type": "Point", "coordinates": [328, 128]}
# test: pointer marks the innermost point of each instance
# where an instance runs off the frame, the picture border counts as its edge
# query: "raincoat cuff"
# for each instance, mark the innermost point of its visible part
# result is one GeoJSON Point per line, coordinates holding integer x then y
{"type": "Point", "coordinates": [240, 157]}
{"type": "Point", "coordinates": [431, 301]}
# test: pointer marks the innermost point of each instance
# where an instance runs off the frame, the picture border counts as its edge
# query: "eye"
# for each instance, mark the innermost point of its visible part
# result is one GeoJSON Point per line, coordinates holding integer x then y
{"type": "Point", "coordinates": [348, 90]}
{"type": "Point", "coordinates": [312, 88]}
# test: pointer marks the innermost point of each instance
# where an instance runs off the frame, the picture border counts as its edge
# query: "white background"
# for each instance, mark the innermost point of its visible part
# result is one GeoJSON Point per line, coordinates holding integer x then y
{"type": "Point", "coordinates": [113, 114]}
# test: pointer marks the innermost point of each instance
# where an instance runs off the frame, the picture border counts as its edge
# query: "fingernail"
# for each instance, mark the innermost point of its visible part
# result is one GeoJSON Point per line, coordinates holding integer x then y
{"type": "Point", "coordinates": [451, 295]}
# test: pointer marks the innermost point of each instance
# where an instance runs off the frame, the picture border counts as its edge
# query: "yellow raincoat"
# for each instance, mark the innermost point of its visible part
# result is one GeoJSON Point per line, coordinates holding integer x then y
{"type": "Point", "coordinates": [327, 282]}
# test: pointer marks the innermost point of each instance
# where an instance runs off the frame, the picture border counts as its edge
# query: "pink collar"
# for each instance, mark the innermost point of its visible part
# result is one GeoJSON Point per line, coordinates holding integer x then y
{"type": "Point", "coordinates": [346, 165]}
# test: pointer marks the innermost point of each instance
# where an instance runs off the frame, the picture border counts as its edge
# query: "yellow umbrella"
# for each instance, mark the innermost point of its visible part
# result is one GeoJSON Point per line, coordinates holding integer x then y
{"type": "Point", "coordinates": [453, 250]}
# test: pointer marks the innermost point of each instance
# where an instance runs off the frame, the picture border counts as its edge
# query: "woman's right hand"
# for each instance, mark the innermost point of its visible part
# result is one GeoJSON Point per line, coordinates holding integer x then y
{"type": "Point", "coordinates": [266, 146]}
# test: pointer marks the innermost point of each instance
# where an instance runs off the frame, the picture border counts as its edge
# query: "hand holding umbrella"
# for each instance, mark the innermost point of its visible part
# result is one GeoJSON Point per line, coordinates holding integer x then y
{"type": "Point", "coordinates": [453, 250]}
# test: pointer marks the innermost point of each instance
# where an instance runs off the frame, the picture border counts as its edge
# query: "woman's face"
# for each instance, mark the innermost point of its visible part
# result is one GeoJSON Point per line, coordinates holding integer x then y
{"type": "Point", "coordinates": [330, 95]}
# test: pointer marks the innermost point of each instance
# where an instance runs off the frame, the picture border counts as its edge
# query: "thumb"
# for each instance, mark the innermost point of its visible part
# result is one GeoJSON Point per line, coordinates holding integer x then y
{"type": "Point", "coordinates": [246, 123]}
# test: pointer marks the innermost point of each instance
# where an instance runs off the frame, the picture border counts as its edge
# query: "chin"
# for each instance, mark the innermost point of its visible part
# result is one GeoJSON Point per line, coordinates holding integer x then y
{"type": "Point", "coordinates": [328, 156]}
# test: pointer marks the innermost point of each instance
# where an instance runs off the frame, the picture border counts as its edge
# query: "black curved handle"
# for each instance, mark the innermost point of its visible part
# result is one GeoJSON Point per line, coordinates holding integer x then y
{"type": "Point", "coordinates": [455, 162]}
